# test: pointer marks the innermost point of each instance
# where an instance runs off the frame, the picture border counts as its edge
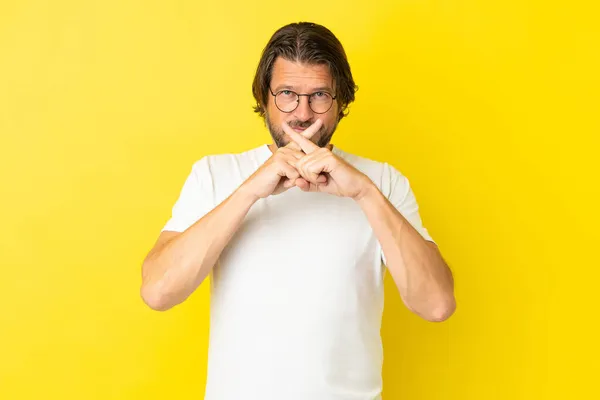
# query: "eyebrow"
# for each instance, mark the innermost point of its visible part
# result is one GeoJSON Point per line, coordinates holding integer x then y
{"type": "Point", "coordinates": [317, 89]}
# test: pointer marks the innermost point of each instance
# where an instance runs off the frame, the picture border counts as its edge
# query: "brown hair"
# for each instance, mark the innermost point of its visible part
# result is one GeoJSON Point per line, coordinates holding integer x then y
{"type": "Point", "coordinates": [309, 43]}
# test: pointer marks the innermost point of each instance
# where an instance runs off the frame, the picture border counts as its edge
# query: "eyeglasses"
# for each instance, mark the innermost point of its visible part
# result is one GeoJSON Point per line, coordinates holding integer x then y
{"type": "Point", "coordinates": [288, 100]}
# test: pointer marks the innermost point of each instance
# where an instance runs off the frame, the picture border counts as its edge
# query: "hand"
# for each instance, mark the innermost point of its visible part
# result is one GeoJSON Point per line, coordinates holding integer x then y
{"type": "Point", "coordinates": [279, 173]}
{"type": "Point", "coordinates": [342, 178]}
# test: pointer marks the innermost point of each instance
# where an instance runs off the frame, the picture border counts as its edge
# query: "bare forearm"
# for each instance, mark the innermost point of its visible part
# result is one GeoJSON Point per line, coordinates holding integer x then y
{"type": "Point", "coordinates": [423, 279]}
{"type": "Point", "coordinates": [172, 272]}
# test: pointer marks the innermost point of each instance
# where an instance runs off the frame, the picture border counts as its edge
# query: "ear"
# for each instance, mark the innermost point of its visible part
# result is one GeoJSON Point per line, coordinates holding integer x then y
{"type": "Point", "coordinates": [341, 110]}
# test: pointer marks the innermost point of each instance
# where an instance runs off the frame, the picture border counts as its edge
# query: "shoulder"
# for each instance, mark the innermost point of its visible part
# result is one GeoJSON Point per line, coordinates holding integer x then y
{"type": "Point", "coordinates": [226, 163]}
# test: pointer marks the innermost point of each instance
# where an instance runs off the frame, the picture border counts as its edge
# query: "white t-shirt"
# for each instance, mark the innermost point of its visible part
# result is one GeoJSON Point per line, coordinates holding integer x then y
{"type": "Point", "coordinates": [297, 294]}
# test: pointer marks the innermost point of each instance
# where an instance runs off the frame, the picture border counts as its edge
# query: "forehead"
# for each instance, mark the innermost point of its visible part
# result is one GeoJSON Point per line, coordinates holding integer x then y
{"type": "Point", "coordinates": [300, 76]}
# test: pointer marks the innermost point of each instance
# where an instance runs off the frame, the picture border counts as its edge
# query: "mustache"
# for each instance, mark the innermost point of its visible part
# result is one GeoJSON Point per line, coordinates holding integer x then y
{"type": "Point", "coordinates": [300, 124]}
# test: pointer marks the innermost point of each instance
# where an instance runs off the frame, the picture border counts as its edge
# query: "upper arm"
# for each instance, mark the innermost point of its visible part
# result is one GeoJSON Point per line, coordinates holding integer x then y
{"type": "Point", "coordinates": [396, 187]}
{"type": "Point", "coordinates": [163, 238]}
{"type": "Point", "coordinates": [402, 197]}
{"type": "Point", "coordinates": [193, 202]}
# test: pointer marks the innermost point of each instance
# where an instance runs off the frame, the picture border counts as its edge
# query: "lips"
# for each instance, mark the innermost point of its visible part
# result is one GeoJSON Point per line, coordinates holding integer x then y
{"type": "Point", "coordinates": [299, 129]}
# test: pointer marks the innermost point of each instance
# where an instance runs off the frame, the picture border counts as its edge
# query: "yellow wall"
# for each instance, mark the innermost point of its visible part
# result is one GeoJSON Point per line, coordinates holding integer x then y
{"type": "Point", "coordinates": [491, 109]}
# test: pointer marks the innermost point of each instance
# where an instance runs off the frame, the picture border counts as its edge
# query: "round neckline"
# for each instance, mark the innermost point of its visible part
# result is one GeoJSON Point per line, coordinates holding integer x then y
{"type": "Point", "coordinates": [269, 153]}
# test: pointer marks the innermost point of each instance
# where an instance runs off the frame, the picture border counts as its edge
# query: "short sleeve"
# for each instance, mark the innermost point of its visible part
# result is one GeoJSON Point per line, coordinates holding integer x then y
{"type": "Point", "coordinates": [398, 191]}
{"type": "Point", "coordinates": [195, 198]}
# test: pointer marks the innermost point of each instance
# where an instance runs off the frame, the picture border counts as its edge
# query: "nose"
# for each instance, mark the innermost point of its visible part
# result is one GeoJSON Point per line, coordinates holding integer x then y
{"type": "Point", "coordinates": [303, 112]}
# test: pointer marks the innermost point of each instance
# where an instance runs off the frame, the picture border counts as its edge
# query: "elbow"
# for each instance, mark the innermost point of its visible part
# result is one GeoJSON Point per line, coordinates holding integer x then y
{"type": "Point", "coordinates": [434, 310]}
{"type": "Point", "coordinates": [441, 311]}
{"type": "Point", "coordinates": [155, 298]}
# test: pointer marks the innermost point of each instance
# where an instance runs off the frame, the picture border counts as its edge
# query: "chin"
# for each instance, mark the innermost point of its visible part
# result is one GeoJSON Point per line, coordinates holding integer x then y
{"type": "Point", "coordinates": [280, 143]}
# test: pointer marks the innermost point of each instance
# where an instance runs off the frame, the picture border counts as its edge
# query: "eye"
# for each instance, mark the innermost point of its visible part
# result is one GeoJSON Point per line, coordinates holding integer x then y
{"type": "Point", "coordinates": [320, 94]}
{"type": "Point", "coordinates": [286, 92]}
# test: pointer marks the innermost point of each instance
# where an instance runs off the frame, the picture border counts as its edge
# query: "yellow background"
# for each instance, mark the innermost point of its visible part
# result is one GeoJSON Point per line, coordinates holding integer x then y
{"type": "Point", "coordinates": [490, 108]}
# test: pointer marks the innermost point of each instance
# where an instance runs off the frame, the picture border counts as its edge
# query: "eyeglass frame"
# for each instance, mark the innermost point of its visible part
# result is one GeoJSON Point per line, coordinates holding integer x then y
{"type": "Point", "coordinates": [298, 101]}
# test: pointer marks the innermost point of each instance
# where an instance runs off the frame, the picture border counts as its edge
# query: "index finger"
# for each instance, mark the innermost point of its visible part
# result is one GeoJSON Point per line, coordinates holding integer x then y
{"type": "Point", "coordinates": [311, 130]}
{"type": "Point", "coordinates": [303, 140]}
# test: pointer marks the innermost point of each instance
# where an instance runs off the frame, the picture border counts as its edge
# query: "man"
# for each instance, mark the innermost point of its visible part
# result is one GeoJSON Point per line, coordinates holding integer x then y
{"type": "Point", "coordinates": [294, 235]}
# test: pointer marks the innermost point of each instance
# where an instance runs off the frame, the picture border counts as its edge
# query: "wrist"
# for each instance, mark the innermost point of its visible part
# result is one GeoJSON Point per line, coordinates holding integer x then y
{"type": "Point", "coordinates": [245, 195]}
{"type": "Point", "coordinates": [367, 191]}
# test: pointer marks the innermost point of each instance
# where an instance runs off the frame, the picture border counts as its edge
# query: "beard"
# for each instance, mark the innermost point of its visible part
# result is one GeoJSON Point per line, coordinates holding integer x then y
{"type": "Point", "coordinates": [321, 138]}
